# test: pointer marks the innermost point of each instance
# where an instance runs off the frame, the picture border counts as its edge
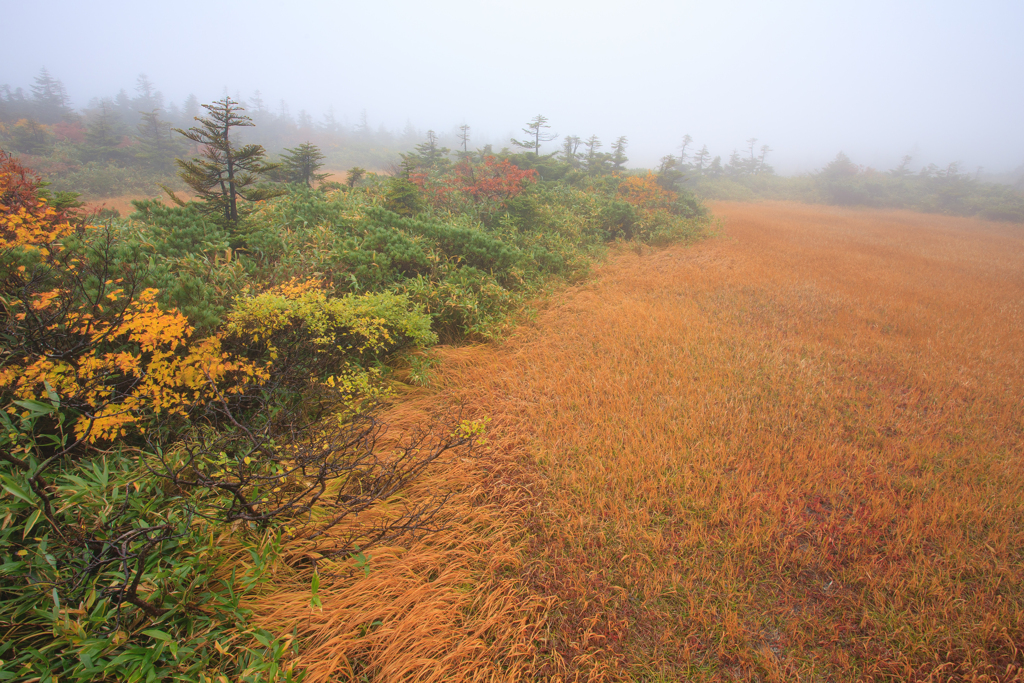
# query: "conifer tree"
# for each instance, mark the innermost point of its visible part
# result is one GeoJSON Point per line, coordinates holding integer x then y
{"type": "Point", "coordinates": [224, 173]}
{"type": "Point", "coordinates": [49, 97]}
{"type": "Point", "coordinates": [31, 137]}
{"type": "Point", "coordinates": [147, 99]}
{"type": "Point", "coordinates": [103, 134]}
{"type": "Point", "coordinates": [157, 147]}
{"type": "Point", "coordinates": [190, 108]}
{"type": "Point", "coordinates": [619, 157]}
{"type": "Point", "coordinates": [594, 160]}
{"type": "Point", "coordinates": [355, 174]}
{"type": "Point", "coordinates": [669, 174]}
{"type": "Point", "coordinates": [302, 163]}
{"type": "Point", "coordinates": [687, 141]}
{"type": "Point", "coordinates": [463, 137]}
{"type": "Point", "coordinates": [535, 130]}
{"type": "Point", "coordinates": [427, 155]}
{"type": "Point", "coordinates": [701, 159]}
{"type": "Point", "coordinates": [570, 150]}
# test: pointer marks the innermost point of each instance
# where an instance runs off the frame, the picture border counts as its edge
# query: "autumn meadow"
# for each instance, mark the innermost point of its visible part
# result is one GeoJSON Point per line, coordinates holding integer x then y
{"type": "Point", "coordinates": [792, 452]}
{"type": "Point", "coordinates": [497, 415]}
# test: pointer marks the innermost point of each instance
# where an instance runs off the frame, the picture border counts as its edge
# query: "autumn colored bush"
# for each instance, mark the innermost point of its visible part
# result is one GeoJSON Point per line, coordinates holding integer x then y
{"type": "Point", "coordinates": [645, 193]}
{"type": "Point", "coordinates": [479, 187]}
{"type": "Point", "coordinates": [27, 214]}
{"type": "Point", "coordinates": [91, 370]}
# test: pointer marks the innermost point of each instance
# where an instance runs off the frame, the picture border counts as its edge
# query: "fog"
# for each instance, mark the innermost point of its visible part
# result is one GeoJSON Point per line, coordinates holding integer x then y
{"type": "Point", "coordinates": [877, 80]}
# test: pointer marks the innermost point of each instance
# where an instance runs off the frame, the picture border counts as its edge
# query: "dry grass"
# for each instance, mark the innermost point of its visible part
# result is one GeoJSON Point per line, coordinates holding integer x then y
{"type": "Point", "coordinates": [450, 607]}
{"type": "Point", "coordinates": [794, 452]}
{"type": "Point", "coordinates": [123, 203]}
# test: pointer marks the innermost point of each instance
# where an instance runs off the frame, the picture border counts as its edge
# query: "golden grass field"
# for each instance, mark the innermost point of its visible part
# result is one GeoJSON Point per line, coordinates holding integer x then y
{"type": "Point", "coordinates": [791, 452]}
{"type": "Point", "coordinates": [121, 204]}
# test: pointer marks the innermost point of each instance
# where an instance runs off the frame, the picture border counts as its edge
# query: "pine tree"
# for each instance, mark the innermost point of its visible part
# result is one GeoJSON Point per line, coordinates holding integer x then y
{"type": "Point", "coordinates": [463, 137]}
{"type": "Point", "coordinates": [104, 132]}
{"type": "Point", "coordinates": [49, 98]}
{"type": "Point", "coordinates": [669, 176]}
{"type": "Point", "coordinates": [596, 162]}
{"type": "Point", "coordinates": [224, 173]}
{"type": "Point", "coordinates": [31, 137]}
{"type": "Point", "coordinates": [157, 147]}
{"type": "Point", "coordinates": [191, 107]}
{"type": "Point", "coordinates": [535, 130]}
{"type": "Point", "coordinates": [427, 155]}
{"type": "Point", "coordinates": [701, 159]}
{"type": "Point", "coordinates": [355, 174]}
{"type": "Point", "coordinates": [619, 157]}
{"type": "Point", "coordinates": [570, 150]}
{"type": "Point", "coordinates": [147, 99]}
{"type": "Point", "coordinates": [301, 164]}
{"type": "Point", "coordinates": [762, 167]}
{"type": "Point", "coordinates": [687, 141]}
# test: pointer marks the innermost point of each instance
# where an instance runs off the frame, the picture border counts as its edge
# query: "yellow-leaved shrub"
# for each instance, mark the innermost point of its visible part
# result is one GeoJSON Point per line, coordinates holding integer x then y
{"type": "Point", "coordinates": [332, 343]}
{"type": "Point", "coordinates": [141, 362]}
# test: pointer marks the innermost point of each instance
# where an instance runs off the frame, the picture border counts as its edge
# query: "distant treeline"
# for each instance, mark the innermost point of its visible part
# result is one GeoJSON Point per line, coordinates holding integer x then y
{"type": "Point", "coordinates": [125, 143]}
{"type": "Point", "coordinates": [842, 182]}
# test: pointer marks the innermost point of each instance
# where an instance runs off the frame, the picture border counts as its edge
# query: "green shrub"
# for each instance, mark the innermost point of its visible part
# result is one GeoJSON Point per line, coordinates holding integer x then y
{"type": "Point", "coordinates": [403, 198]}
{"type": "Point", "coordinates": [465, 245]}
{"type": "Point", "coordinates": [465, 302]}
{"type": "Point", "coordinates": [377, 257]}
{"type": "Point", "coordinates": [618, 219]}
{"type": "Point", "coordinates": [174, 232]}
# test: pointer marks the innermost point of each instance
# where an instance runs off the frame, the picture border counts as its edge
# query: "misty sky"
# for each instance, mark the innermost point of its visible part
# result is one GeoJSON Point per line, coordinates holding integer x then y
{"type": "Point", "coordinates": [942, 80]}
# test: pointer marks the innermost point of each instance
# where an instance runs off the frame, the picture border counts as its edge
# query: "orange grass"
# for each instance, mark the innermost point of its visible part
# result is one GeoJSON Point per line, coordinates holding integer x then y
{"type": "Point", "coordinates": [123, 203]}
{"type": "Point", "coordinates": [449, 607]}
{"type": "Point", "coordinates": [792, 452]}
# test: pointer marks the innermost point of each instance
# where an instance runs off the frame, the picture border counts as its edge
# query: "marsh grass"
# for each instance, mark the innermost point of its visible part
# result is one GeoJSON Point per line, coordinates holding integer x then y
{"type": "Point", "coordinates": [792, 452]}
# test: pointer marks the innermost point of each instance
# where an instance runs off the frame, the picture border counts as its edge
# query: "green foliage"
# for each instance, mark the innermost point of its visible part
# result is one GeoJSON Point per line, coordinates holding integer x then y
{"type": "Point", "coordinates": [156, 147]}
{"type": "Point", "coordinates": [618, 219]}
{"type": "Point", "coordinates": [104, 135]}
{"type": "Point", "coordinates": [419, 369]}
{"type": "Point", "coordinates": [536, 135]}
{"type": "Point", "coordinates": [464, 303]}
{"type": "Point", "coordinates": [311, 234]}
{"type": "Point", "coordinates": [403, 197]}
{"type": "Point", "coordinates": [175, 232]}
{"type": "Point", "coordinates": [355, 174]}
{"type": "Point", "coordinates": [467, 246]}
{"type": "Point", "coordinates": [105, 574]}
{"type": "Point", "coordinates": [376, 257]}
{"type": "Point", "coordinates": [188, 258]}
{"type": "Point", "coordinates": [428, 155]}
{"type": "Point", "coordinates": [31, 137]}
